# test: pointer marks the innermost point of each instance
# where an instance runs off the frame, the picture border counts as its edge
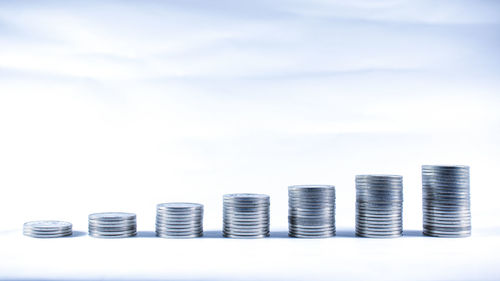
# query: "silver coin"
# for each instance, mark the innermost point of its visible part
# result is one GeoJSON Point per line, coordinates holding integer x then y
{"type": "Point", "coordinates": [230, 235]}
{"type": "Point", "coordinates": [311, 188]}
{"type": "Point", "coordinates": [179, 205]}
{"type": "Point", "coordinates": [234, 220]}
{"type": "Point", "coordinates": [125, 235]}
{"type": "Point", "coordinates": [246, 199]}
{"type": "Point", "coordinates": [113, 223]}
{"type": "Point", "coordinates": [179, 222]}
{"type": "Point", "coordinates": [179, 235]}
{"type": "Point", "coordinates": [246, 233]}
{"type": "Point", "coordinates": [112, 216]}
{"type": "Point", "coordinates": [387, 234]}
{"type": "Point", "coordinates": [314, 235]}
{"type": "Point", "coordinates": [173, 227]}
{"type": "Point", "coordinates": [245, 217]}
{"type": "Point", "coordinates": [179, 218]}
{"type": "Point", "coordinates": [175, 230]}
{"type": "Point", "coordinates": [311, 227]}
{"type": "Point", "coordinates": [48, 224]}
{"type": "Point", "coordinates": [179, 231]}
{"type": "Point", "coordinates": [247, 212]}
{"type": "Point", "coordinates": [26, 230]}
{"type": "Point", "coordinates": [111, 230]}
{"type": "Point", "coordinates": [299, 229]}
{"type": "Point", "coordinates": [56, 235]}
{"type": "Point", "coordinates": [46, 230]}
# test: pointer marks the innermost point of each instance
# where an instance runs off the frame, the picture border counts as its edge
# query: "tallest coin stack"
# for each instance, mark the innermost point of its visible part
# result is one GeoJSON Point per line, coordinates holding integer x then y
{"type": "Point", "coordinates": [446, 201]}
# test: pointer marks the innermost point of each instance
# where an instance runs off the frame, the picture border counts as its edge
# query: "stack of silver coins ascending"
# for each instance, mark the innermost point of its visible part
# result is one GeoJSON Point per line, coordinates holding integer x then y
{"type": "Point", "coordinates": [446, 201]}
{"type": "Point", "coordinates": [379, 206]}
{"type": "Point", "coordinates": [311, 211]}
{"type": "Point", "coordinates": [47, 229]}
{"type": "Point", "coordinates": [179, 220]}
{"type": "Point", "coordinates": [246, 215]}
{"type": "Point", "coordinates": [112, 225]}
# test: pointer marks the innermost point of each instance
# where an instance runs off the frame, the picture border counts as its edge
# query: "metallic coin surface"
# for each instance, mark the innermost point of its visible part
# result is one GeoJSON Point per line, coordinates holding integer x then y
{"type": "Point", "coordinates": [379, 206]}
{"type": "Point", "coordinates": [179, 220]}
{"type": "Point", "coordinates": [246, 215]}
{"type": "Point", "coordinates": [47, 229]}
{"type": "Point", "coordinates": [112, 216]}
{"type": "Point", "coordinates": [112, 225]}
{"type": "Point", "coordinates": [446, 201]}
{"type": "Point", "coordinates": [311, 211]}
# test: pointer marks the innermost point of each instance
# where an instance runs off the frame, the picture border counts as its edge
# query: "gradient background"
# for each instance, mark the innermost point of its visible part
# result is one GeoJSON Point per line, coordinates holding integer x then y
{"type": "Point", "coordinates": [120, 105]}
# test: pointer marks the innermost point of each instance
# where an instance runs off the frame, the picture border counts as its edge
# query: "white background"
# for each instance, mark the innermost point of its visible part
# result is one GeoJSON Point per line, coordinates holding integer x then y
{"type": "Point", "coordinates": [118, 106]}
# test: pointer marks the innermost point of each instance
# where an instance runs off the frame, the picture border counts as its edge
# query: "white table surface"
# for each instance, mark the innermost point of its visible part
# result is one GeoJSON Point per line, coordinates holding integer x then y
{"type": "Point", "coordinates": [344, 257]}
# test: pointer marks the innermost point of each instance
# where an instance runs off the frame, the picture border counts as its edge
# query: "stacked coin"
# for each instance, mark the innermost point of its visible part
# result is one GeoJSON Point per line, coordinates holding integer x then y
{"type": "Point", "coordinates": [379, 205]}
{"type": "Point", "coordinates": [47, 229]}
{"type": "Point", "coordinates": [446, 201]}
{"type": "Point", "coordinates": [311, 211]}
{"type": "Point", "coordinates": [246, 215]}
{"type": "Point", "coordinates": [179, 220]}
{"type": "Point", "coordinates": [112, 225]}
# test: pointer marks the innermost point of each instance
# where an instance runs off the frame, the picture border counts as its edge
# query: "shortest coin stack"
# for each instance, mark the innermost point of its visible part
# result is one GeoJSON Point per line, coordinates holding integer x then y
{"type": "Point", "coordinates": [112, 225]}
{"type": "Point", "coordinates": [47, 229]}
{"type": "Point", "coordinates": [179, 220]}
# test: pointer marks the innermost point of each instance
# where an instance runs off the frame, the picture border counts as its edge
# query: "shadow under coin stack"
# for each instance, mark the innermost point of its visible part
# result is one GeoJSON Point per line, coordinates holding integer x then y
{"type": "Point", "coordinates": [446, 201]}
{"type": "Point", "coordinates": [246, 215]}
{"type": "Point", "coordinates": [112, 225]}
{"type": "Point", "coordinates": [379, 206]}
{"type": "Point", "coordinates": [179, 220]}
{"type": "Point", "coordinates": [47, 229]}
{"type": "Point", "coordinates": [311, 211]}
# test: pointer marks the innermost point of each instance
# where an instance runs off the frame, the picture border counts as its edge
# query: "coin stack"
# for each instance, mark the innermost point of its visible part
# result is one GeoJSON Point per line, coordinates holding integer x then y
{"type": "Point", "coordinates": [311, 211]}
{"type": "Point", "coordinates": [179, 220]}
{"type": "Point", "coordinates": [246, 215]}
{"type": "Point", "coordinates": [379, 206]}
{"type": "Point", "coordinates": [47, 229]}
{"type": "Point", "coordinates": [112, 225]}
{"type": "Point", "coordinates": [446, 201]}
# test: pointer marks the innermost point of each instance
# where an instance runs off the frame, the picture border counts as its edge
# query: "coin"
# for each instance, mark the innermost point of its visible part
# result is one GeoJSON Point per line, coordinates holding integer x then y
{"type": "Point", "coordinates": [47, 229]}
{"type": "Point", "coordinates": [179, 220]}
